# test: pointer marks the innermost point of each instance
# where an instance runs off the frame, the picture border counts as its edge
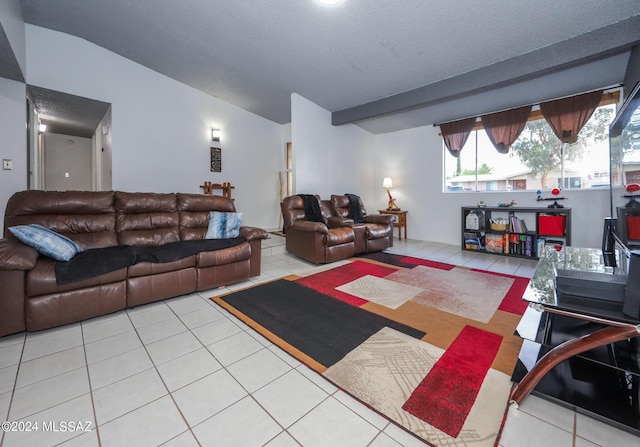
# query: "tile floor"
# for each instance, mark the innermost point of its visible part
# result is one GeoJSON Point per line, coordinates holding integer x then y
{"type": "Point", "coordinates": [183, 372]}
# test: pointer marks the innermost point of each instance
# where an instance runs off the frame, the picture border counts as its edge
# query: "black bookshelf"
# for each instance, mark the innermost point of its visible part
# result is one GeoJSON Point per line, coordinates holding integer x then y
{"type": "Point", "coordinates": [514, 231]}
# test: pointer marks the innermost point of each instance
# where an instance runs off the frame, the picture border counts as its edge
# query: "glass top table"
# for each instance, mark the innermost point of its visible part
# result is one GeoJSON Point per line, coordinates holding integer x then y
{"type": "Point", "coordinates": [611, 324]}
{"type": "Point", "coordinates": [542, 292]}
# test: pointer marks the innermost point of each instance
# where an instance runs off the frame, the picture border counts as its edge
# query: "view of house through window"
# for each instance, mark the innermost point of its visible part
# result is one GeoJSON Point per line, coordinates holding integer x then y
{"type": "Point", "coordinates": [537, 159]}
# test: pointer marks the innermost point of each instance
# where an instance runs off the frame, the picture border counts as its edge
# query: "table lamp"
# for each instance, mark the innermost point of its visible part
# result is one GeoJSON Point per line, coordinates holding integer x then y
{"type": "Point", "coordinates": [388, 183]}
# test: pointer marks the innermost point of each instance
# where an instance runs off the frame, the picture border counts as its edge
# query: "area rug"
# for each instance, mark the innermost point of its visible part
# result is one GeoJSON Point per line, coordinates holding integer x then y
{"type": "Point", "coordinates": [429, 345]}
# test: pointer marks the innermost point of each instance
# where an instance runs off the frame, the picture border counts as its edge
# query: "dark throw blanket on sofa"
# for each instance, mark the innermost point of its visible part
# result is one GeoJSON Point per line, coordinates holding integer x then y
{"type": "Point", "coordinates": [355, 211]}
{"type": "Point", "coordinates": [98, 261]}
{"type": "Point", "coordinates": [312, 208]}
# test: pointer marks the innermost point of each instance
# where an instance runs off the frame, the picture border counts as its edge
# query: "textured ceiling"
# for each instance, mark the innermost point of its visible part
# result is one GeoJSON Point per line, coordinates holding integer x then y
{"type": "Point", "coordinates": [67, 114]}
{"type": "Point", "coordinates": [373, 62]}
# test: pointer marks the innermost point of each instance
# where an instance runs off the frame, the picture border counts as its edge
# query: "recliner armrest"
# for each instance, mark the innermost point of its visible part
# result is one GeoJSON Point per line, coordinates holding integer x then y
{"type": "Point", "coordinates": [379, 218]}
{"type": "Point", "coordinates": [308, 226]}
{"type": "Point", "coordinates": [14, 255]}
{"type": "Point", "coordinates": [253, 233]}
{"type": "Point", "coordinates": [337, 222]}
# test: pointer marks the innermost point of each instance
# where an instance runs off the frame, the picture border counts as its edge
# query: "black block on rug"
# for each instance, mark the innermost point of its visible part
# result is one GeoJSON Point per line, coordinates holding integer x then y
{"type": "Point", "coordinates": [324, 328]}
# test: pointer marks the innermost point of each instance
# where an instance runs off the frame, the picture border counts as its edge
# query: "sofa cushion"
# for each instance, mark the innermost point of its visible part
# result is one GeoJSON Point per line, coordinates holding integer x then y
{"type": "Point", "coordinates": [339, 236]}
{"type": "Point", "coordinates": [223, 225]}
{"type": "Point", "coordinates": [194, 211]}
{"type": "Point", "coordinates": [46, 241]}
{"type": "Point", "coordinates": [41, 280]}
{"type": "Point", "coordinates": [229, 255]}
{"type": "Point", "coordinates": [146, 219]}
{"type": "Point", "coordinates": [377, 231]}
{"type": "Point", "coordinates": [86, 217]}
{"type": "Point", "coordinates": [154, 268]}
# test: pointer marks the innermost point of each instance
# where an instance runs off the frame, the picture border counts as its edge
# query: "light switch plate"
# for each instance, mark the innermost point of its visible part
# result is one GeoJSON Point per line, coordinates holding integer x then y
{"type": "Point", "coordinates": [7, 164]}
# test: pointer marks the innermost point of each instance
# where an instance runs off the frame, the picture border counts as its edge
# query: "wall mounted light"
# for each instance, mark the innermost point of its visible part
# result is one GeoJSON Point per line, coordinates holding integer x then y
{"type": "Point", "coordinates": [215, 134]}
{"type": "Point", "coordinates": [388, 184]}
{"type": "Point", "coordinates": [42, 128]}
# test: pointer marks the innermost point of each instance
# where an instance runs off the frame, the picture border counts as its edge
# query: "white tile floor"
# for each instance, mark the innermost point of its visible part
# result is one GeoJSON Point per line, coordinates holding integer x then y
{"type": "Point", "coordinates": [183, 372]}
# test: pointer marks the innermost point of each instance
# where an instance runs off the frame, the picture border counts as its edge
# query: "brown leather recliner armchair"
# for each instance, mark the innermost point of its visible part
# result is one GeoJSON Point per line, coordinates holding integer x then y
{"type": "Point", "coordinates": [374, 234]}
{"type": "Point", "coordinates": [317, 242]}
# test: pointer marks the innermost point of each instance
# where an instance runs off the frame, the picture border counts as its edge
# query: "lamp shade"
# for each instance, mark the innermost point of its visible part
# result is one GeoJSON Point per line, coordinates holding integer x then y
{"type": "Point", "coordinates": [387, 182]}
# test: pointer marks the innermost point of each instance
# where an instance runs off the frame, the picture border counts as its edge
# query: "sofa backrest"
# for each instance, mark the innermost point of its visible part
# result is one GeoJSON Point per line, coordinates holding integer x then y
{"type": "Point", "coordinates": [341, 206]}
{"type": "Point", "coordinates": [86, 217]}
{"type": "Point", "coordinates": [146, 219]}
{"type": "Point", "coordinates": [326, 209]}
{"type": "Point", "coordinates": [194, 211]}
{"type": "Point", "coordinates": [293, 209]}
{"type": "Point", "coordinates": [97, 219]}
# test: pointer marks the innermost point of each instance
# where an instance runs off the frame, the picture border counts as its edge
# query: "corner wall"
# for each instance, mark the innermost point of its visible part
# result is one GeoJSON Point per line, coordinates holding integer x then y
{"type": "Point", "coordinates": [331, 159]}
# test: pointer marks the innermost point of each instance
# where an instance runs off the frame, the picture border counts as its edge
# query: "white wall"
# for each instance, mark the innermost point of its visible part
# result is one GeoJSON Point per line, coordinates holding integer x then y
{"type": "Point", "coordinates": [161, 128]}
{"type": "Point", "coordinates": [67, 162]}
{"type": "Point", "coordinates": [13, 139]}
{"type": "Point", "coordinates": [330, 159]}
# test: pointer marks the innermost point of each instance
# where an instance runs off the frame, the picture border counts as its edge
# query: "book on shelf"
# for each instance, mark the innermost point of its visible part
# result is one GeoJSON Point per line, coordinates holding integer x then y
{"type": "Point", "coordinates": [518, 244]}
{"type": "Point", "coordinates": [494, 243]}
{"type": "Point", "coordinates": [473, 241]}
{"type": "Point", "coordinates": [518, 225]}
{"type": "Point", "coordinates": [540, 243]}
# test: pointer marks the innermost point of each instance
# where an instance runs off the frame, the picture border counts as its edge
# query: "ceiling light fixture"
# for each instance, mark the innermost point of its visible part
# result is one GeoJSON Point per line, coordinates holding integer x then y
{"type": "Point", "coordinates": [329, 2]}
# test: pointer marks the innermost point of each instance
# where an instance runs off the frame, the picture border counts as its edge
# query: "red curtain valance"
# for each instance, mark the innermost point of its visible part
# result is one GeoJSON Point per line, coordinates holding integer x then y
{"type": "Point", "coordinates": [503, 128]}
{"type": "Point", "coordinates": [568, 115]}
{"type": "Point", "coordinates": [455, 134]}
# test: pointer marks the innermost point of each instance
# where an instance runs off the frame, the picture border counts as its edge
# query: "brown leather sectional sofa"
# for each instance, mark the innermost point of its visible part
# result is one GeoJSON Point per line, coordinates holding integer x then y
{"type": "Point", "coordinates": [337, 236]}
{"type": "Point", "coordinates": [31, 299]}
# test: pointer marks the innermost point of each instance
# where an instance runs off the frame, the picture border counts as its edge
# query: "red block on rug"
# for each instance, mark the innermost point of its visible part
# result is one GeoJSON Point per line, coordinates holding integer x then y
{"type": "Point", "coordinates": [513, 302]}
{"type": "Point", "coordinates": [428, 263]}
{"type": "Point", "coordinates": [445, 396]}
{"type": "Point", "coordinates": [326, 282]}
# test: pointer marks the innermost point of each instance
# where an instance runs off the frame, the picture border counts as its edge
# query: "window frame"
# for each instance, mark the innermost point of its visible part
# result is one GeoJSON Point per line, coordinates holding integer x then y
{"type": "Point", "coordinates": [609, 97]}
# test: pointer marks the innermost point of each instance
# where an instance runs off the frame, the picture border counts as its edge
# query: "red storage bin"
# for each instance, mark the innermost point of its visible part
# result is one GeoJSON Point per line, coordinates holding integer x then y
{"type": "Point", "coordinates": [551, 225]}
{"type": "Point", "coordinates": [633, 228]}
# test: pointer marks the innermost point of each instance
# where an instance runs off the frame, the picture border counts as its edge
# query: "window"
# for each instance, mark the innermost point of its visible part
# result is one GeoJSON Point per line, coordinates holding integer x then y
{"type": "Point", "coordinates": [537, 159]}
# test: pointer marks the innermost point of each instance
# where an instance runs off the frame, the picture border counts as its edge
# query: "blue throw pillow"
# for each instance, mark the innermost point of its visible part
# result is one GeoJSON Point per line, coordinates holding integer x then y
{"type": "Point", "coordinates": [223, 225]}
{"type": "Point", "coordinates": [46, 241]}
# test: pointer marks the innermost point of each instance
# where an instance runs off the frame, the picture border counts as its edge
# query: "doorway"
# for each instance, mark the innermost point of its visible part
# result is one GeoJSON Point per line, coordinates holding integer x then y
{"type": "Point", "coordinates": [69, 141]}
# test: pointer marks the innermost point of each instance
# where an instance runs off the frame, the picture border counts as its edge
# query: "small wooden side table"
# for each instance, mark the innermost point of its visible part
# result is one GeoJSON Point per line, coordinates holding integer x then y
{"type": "Point", "coordinates": [400, 220]}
